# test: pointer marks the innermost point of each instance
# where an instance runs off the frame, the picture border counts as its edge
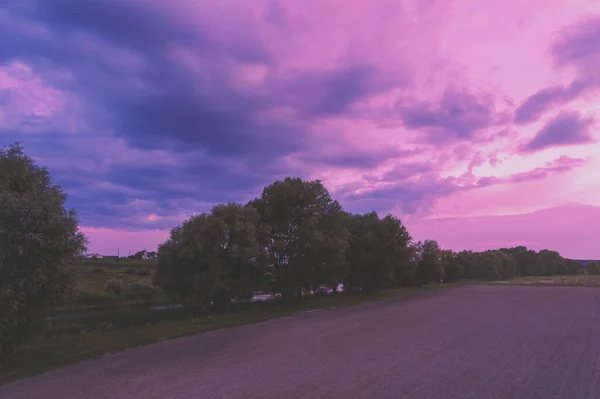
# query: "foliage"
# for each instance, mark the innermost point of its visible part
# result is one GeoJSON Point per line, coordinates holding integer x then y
{"type": "Point", "coordinates": [428, 256]}
{"type": "Point", "coordinates": [306, 244]}
{"type": "Point", "coordinates": [113, 287]}
{"type": "Point", "coordinates": [378, 253]}
{"type": "Point", "coordinates": [212, 258]}
{"type": "Point", "coordinates": [39, 239]}
{"type": "Point", "coordinates": [593, 268]}
{"type": "Point", "coordinates": [453, 271]}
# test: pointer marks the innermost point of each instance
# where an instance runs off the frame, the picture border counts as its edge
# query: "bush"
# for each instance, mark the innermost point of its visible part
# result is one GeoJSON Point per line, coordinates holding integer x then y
{"type": "Point", "coordinates": [114, 287]}
{"type": "Point", "coordinates": [97, 299]}
{"type": "Point", "coordinates": [142, 292]}
{"type": "Point", "coordinates": [39, 242]}
{"type": "Point", "coordinates": [582, 272]}
{"type": "Point", "coordinates": [593, 268]}
{"type": "Point", "coordinates": [97, 270]}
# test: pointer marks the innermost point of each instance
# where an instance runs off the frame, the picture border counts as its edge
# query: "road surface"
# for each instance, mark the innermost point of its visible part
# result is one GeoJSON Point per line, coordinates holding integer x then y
{"type": "Point", "coordinates": [466, 342]}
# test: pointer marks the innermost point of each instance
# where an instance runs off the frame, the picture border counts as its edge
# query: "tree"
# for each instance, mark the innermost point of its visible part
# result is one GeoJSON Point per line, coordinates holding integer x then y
{"type": "Point", "coordinates": [493, 265]}
{"type": "Point", "coordinates": [212, 258]}
{"type": "Point", "coordinates": [39, 240]}
{"type": "Point", "coordinates": [429, 263]}
{"type": "Point", "coordinates": [151, 254]}
{"type": "Point", "coordinates": [549, 263]}
{"type": "Point", "coordinates": [453, 271]}
{"type": "Point", "coordinates": [378, 253]}
{"type": "Point", "coordinates": [305, 244]}
{"type": "Point", "coordinates": [593, 268]}
{"type": "Point", "coordinates": [465, 261]}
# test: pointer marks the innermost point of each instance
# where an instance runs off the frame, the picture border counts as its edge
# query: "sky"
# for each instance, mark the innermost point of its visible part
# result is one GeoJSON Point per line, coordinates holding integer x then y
{"type": "Point", "coordinates": [475, 122]}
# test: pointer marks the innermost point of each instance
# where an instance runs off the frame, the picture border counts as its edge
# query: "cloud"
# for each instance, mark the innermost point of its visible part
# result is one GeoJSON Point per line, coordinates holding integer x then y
{"type": "Point", "coordinates": [577, 45]}
{"type": "Point", "coordinates": [535, 105]}
{"type": "Point", "coordinates": [573, 46]}
{"type": "Point", "coordinates": [568, 128]}
{"type": "Point", "coordinates": [413, 189]}
{"type": "Point", "coordinates": [458, 115]}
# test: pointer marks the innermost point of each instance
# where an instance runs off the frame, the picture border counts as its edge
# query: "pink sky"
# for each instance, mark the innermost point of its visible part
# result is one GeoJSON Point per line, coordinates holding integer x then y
{"type": "Point", "coordinates": [476, 122]}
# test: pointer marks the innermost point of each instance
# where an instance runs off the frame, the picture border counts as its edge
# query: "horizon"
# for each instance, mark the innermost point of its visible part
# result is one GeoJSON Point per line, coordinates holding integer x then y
{"type": "Point", "coordinates": [476, 124]}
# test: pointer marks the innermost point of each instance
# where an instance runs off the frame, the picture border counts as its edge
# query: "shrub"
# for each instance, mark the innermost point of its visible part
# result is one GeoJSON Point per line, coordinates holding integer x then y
{"type": "Point", "coordinates": [97, 299]}
{"type": "Point", "coordinates": [582, 272]}
{"type": "Point", "coordinates": [97, 270]}
{"type": "Point", "coordinates": [142, 292]}
{"type": "Point", "coordinates": [593, 268]}
{"type": "Point", "coordinates": [113, 286]}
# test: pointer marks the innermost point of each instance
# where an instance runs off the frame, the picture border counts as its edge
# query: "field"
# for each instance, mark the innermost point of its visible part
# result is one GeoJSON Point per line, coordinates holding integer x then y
{"type": "Point", "coordinates": [129, 284]}
{"type": "Point", "coordinates": [106, 322]}
{"type": "Point", "coordinates": [477, 341]}
{"type": "Point", "coordinates": [579, 280]}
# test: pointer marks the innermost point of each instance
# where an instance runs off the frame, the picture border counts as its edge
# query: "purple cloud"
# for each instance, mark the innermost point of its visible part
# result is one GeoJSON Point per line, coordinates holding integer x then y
{"type": "Point", "coordinates": [575, 45]}
{"type": "Point", "coordinates": [578, 45]}
{"type": "Point", "coordinates": [568, 128]}
{"type": "Point", "coordinates": [535, 105]}
{"type": "Point", "coordinates": [459, 115]}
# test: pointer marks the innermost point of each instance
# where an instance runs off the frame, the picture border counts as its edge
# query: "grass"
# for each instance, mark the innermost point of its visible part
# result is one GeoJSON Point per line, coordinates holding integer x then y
{"type": "Point", "coordinates": [566, 280]}
{"type": "Point", "coordinates": [93, 275]}
{"type": "Point", "coordinates": [84, 335]}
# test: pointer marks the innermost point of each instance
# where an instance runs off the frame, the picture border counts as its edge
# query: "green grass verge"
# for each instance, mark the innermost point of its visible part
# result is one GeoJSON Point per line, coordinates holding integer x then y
{"type": "Point", "coordinates": [87, 335]}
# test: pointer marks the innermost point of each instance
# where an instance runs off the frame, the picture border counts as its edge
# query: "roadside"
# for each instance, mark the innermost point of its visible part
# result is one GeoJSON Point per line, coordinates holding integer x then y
{"type": "Point", "coordinates": [556, 280]}
{"type": "Point", "coordinates": [88, 335]}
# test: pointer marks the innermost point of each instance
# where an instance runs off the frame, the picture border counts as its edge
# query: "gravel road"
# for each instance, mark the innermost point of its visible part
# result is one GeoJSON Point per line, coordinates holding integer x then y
{"type": "Point", "coordinates": [465, 342]}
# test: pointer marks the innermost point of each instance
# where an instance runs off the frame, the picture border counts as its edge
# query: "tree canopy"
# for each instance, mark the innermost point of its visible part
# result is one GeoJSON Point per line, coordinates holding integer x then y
{"type": "Point", "coordinates": [39, 239]}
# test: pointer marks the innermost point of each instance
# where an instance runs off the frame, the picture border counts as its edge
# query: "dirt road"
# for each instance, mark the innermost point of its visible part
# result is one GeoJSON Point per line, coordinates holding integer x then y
{"type": "Point", "coordinates": [467, 342]}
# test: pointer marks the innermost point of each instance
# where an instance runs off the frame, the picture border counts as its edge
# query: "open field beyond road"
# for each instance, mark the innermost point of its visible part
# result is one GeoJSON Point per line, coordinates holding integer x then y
{"type": "Point", "coordinates": [561, 280]}
{"type": "Point", "coordinates": [466, 342]}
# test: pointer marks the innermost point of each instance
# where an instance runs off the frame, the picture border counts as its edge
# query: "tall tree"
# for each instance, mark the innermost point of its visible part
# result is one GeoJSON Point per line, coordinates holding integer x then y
{"type": "Point", "coordinates": [378, 255]}
{"type": "Point", "coordinates": [453, 271]}
{"type": "Point", "coordinates": [429, 263]}
{"type": "Point", "coordinates": [39, 240]}
{"type": "Point", "coordinates": [213, 257]}
{"type": "Point", "coordinates": [302, 246]}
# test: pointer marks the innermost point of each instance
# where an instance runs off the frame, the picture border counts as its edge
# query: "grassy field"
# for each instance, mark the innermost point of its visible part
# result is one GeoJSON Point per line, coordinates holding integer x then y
{"type": "Point", "coordinates": [103, 285]}
{"type": "Point", "coordinates": [578, 280]}
{"type": "Point", "coordinates": [82, 335]}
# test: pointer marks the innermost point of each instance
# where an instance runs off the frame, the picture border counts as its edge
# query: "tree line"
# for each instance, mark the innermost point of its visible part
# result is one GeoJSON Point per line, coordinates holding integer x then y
{"type": "Point", "coordinates": [295, 238]}
{"type": "Point", "coordinates": [292, 239]}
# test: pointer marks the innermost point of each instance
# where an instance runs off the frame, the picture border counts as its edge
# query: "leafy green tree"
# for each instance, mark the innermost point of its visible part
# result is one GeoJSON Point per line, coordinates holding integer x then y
{"type": "Point", "coordinates": [213, 258]}
{"type": "Point", "coordinates": [593, 268]}
{"type": "Point", "coordinates": [429, 263]}
{"type": "Point", "coordinates": [453, 271]}
{"type": "Point", "coordinates": [493, 265]}
{"type": "Point", "coordinates": [306, 239]}
{"type": "Point", "coordinates": [395, 246]}
{"type": "Point", "coordinates": [550, 263]}
{"type": "Point", "coordinates": [378, 255]}
{"type": "Point", "coordinates": [487, 266]}
{"type": "Point", "coordinates": [39, 240]}
{"type": "Point", "coordinates": [465, 261]}
{"type": "Point", "coordinates": [527, 262]}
